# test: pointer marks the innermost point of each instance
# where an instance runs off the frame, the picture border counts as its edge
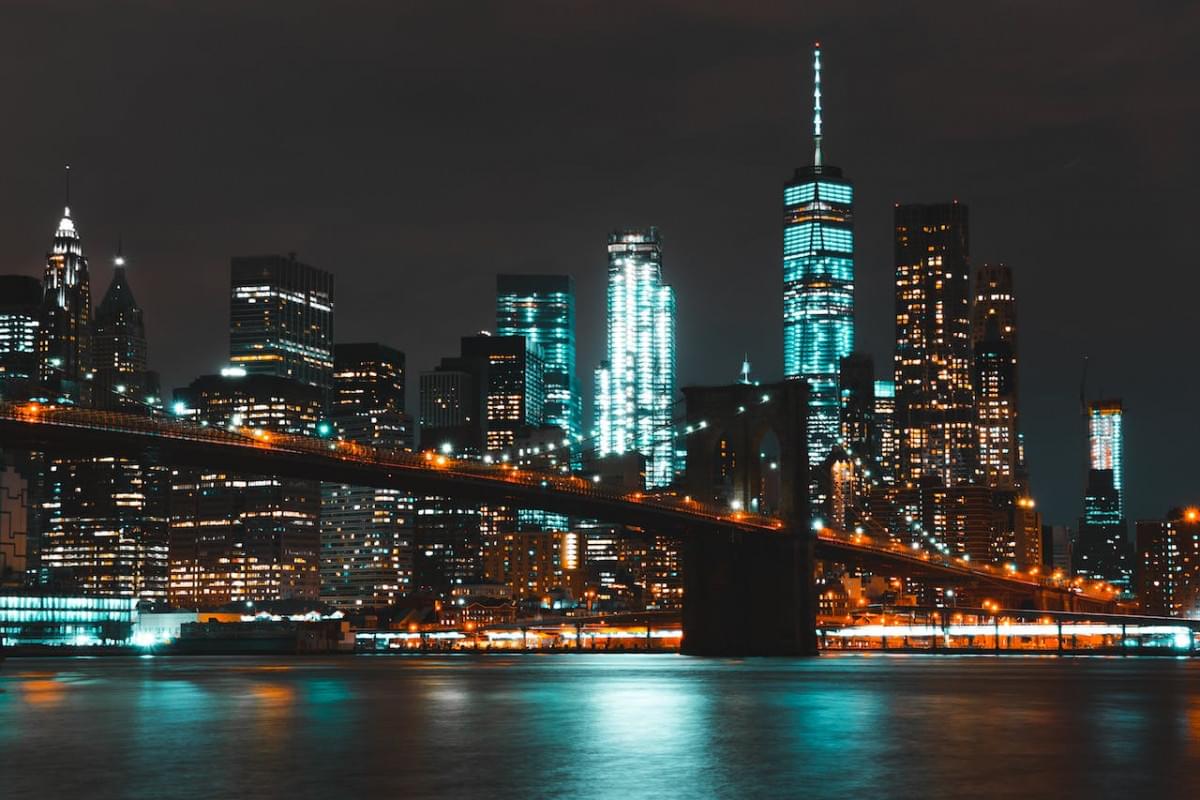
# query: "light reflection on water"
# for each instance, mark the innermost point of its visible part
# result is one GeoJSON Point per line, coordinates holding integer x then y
{"type": "Point", "coordinates": [625, 726]}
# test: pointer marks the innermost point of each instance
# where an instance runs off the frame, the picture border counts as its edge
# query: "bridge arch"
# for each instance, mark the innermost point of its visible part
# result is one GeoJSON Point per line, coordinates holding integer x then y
{"type": "Point", "coordinates": [726, 460]}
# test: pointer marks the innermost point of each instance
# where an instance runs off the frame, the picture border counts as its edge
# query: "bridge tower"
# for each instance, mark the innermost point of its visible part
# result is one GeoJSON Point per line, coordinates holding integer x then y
{"type": "Point", "coordinates": [744, 593]}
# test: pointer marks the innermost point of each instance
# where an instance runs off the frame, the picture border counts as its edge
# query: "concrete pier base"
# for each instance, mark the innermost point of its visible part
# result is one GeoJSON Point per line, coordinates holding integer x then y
{"type": "Point", "coordinates": [749, 595]}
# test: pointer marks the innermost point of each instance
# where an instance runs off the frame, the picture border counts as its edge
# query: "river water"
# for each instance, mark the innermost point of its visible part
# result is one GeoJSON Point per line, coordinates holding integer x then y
{"type": "Point", "coordinates": [590, 725]}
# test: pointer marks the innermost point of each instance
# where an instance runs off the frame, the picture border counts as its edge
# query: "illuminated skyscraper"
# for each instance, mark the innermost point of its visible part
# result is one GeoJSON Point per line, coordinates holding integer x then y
{"type": "Point", "coordinates": [994, 337]}
{"type": "Point", "coordinates": [635, 386]}
{"type": "Point", "coordinates": [20, 304]}
{"type": "Point", "coordinates": [884, 433]}
{"type": "Point", "coordinates": [281, 318]}
{"type": "Point", "coordinates": [935, 400]}
{"type": "Point", "coordinates": [104, 529]}
{"type": "Point", "coordinates": [542, 309]}
{"type": "Point", "coordinates": [818, 282]}
{"type": "Point", "coordinates": [122, 378]}
{"type": "Point", "coordinates": [64, 332]}
{"type": "Point", "coordinates": [1106, 444]}
{"type": "Point", "coordinates": [366, 532]}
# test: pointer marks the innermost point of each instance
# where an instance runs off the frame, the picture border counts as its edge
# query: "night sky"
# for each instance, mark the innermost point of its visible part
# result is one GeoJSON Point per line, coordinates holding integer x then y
{"type": "Point", "coordinates": [418, 149]}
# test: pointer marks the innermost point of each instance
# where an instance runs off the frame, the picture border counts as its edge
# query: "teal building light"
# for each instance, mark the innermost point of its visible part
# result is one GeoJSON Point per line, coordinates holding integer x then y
{"type": "Point", "coordinates": [635, 386]}
{"type": "Point", "coordinates": [818, 282]}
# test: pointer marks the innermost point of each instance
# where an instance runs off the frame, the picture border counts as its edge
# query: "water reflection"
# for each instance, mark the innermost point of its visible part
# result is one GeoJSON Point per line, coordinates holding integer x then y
{"type": "Point", "coordinates": [627, 726]}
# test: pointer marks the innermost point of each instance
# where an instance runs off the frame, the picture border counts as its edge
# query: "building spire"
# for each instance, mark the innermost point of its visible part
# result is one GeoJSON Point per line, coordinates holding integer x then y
{"type": "Point", "coordinates": [119, 259]}
{"type": "Point", "coordinates": [817, 104]}
{"type": "Point", "coordinates": [67, 173]}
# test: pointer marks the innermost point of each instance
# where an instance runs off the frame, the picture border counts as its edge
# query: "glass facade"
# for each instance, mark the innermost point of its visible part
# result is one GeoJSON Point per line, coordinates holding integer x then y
{"type": "Point", "coordinates": [20, 301]}
{"type": "Point", "coordinates": [367, 533]}
{"type": "Point", "coordinates": [77, 621]}
{"type": "Point", "coordinates": [818, 284]}
{"type": "Point", "coordinates": [542, 309]}
{"type": "Point", "coordinates": [1106, 444]}
{"type": "Point", "coordinates": [281, 318]}
{"type": "Point", "coordinates": [994, 336]}
{"type": "Point", "coordinates": [635, 386]}
{"type": "Point", "coordinates": [935, 398]}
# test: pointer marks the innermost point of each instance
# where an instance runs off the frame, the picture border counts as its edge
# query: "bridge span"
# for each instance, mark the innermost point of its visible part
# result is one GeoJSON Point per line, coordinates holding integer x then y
{"type": "Point", "coordinates": [736, 563]}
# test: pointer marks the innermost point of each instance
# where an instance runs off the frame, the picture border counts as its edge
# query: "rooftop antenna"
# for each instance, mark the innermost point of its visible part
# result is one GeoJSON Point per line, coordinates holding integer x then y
{"type": "Point", "coordinates": [120, 258]}
{"type": "Point", "coordinates": [1083, 389]}
{"type": "Point", "coordinates": [817, 104]}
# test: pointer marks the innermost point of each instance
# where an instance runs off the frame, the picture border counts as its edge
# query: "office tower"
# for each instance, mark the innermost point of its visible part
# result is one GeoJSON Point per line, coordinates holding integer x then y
{"type": "Point", "coordinates": [479, 401]}
{"type": "Point", "coordinates": [884, 443]}
{"type": "Point", "coordinates": [1102, 551]}
{"type": "Point", "coordinates": [367, 533]}
{"type": "Point", "coordinates": [818, 282]}
{"type": "Point", "coordinates": [994, 338]}
{"type": "Point", "coordinates": [856, 390]}
{"type": "Point", "coordinates": [20, 309]}
{"type": "Point", "coordinates": [236, 537]}
{"type": "Point", "coordinates": [935, 400]}
{"type": "Point", "coordinates": [635, 386]}
{"type": "Point", "coordinates": [104, 521]}
{"type": "Point", "coordinates": [281, 318]}
{"type": "Point", "coordinates": [1106, 444]}
{"type": "Point", "coordinates": [542, 309]}
{"type": "Point", "coordinates": [64, 326]}
{"type": "Point", "coordinates": [122, 380]}
{"type": "Point", "coordinates": [1168, 564]}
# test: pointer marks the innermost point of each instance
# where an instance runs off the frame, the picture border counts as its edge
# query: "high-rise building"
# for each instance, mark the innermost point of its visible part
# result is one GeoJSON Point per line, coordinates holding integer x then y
{"type": "Point", "coordinates": [818, 282]}
{"type": "Point", "coordinates": [17, 513]}
{"type": "Point", "coordinates": [1102, 551]}
{"type": "Point", "coordinates": [65, 323]}
{"type": "Point", "coordinates": [104, 521]}
{"type": "Point", "coordinates": [542, 309]}
{"type": "Point", "coordinates": [994, 337]}
{"type": "Point", "coordinates": [122, 380]}
{"type": "Point", "coordinates": [366, 532]}
{"type": "Point", "coordinates": [479, 401]}
{"type": "Point", "coordinates": [236, 537]}
{"type": "Point", "coordinates": [20, 310]}
{"type": "Point", "coordinates": [884, 443]}
{"type": "Point", "coordinates": [856, 390]}
{"type": "Point", "coordinates": [1106, 444]}
{"type": "Point", "coordinates": [935, 400]}
{"type": "Point", "coordinates": [1168, 564]}
{"type": "Point", "coordinates": [281, 318]}
{"type": "Point", "coordinates": [635, 385]}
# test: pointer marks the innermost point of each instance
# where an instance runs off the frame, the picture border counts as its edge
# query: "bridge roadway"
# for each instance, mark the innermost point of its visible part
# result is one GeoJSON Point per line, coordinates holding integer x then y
{"type": "Point", "coordinates": [68, 430]}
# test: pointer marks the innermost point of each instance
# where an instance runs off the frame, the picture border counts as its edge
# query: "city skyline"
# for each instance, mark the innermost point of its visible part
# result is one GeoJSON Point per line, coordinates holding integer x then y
{"type": "Point", "coordinates": [1050, 331]}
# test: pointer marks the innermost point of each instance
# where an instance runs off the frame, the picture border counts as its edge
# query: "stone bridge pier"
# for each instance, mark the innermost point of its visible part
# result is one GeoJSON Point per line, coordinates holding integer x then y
{"type": "Point", "coordinates": [748, 594]}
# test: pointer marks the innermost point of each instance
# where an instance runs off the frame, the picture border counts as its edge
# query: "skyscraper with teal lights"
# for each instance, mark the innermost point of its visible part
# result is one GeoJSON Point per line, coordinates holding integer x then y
{"type": "Point", "coordinates": [635, 386]}
{"type": "Point", "coordinates": [818, 282]}
{"type": "Point", "coordinates": [1106, 444]}
{"type": "Point", "coordinates": [542, 309]}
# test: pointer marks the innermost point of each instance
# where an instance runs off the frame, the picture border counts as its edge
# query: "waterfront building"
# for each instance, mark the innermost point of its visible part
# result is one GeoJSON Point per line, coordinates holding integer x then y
{"type": "Point", "coordinates": [367, 532]}
{"type": "Point", "coordinates": [281, 318]}
{"type": "Point", "coordinates": [818, 282]}
{"type": "Point", "coordinates": [1168, 564]}
{"type": "Point", "coordinates": [935, 400]}
{"type": "Point", "coordinates": [636, 385]}
{"type": "Point", "coordinates": [542, 309]}
{"type": "Point", "coordinates": [65, 320]}
{"type": "Point", "coordinates": [20, 311]}
{"type": "Point", "coordinates": [237, 537]}
{"type": "Point", "coordinates": [76, 621]}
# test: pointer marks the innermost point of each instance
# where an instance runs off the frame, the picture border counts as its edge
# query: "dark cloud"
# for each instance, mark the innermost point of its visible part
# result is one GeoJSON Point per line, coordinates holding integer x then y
{"type": "Point", "coordinates": [417, 149]}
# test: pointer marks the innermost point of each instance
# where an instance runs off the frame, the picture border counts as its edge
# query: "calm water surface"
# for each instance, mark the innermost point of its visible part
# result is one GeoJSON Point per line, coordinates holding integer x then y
{"type": "Point", "coordinates": [625, 726]}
